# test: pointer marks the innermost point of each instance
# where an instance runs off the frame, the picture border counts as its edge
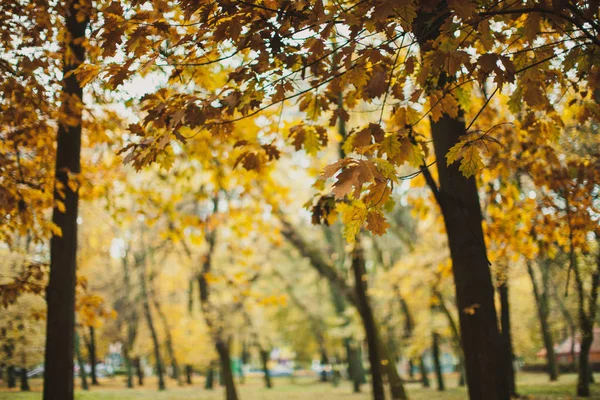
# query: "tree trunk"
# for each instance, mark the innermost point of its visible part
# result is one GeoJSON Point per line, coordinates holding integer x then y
{"type": "Point", "coordinates": [24, 380]}
{"type": "Point", "coordinates": [60, 293]}
{"type": "Point", "coordinates": [11, 377]}
{"type": "Point", "coordinates": [131, 319]}
{"type": "Point", "coordinates": [226, 373]}
{"type": "Point", "coordinates": [128, 367]}
{"type": "Point", "coordinates": [455, 338]}
{"type": "Point", "coordinates": [168, 337]}
{"type": "Point", "coordinates": [586, 319]}
{"type": "Point", "coordinates": [139, 371]}
{"type": "Point", "coordinates": [459, 202]}
{"type": "Point", "coordinates": [506, 337]}
{"type": "Point", "coordinates": [364, 308]}
{"type": "Point", "coordinates": [264, 358]}
{"type": "Point", "coordinates": [210, 378]}
{"type": "Point", "coordinates": [82, 372]}
{"type": "Point", "coordinates": [424, 377]}
{"type": "Point", "coordinates": [541, 302]}
{"type": "Point", "coordinates": [141, 264]}
{"type": "Point", "coordinates": [188, 374]}
{"type": "Point", "coordinates": [92, 356]}
{"type": "Point", "coordinates": [436, 362]}
{"type": "Point", "coordinates": [324, 362]}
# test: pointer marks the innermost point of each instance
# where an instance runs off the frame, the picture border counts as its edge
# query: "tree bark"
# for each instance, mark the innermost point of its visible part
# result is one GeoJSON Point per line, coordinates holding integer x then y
{"type": "Point", "coordinates": [506, 337]}
{"type": "Point", "coordinates": [139, 371]}
{"type": "Point", "coordinates": [424, 377]}
{"type": "Point", "coordinates": [541, 302]}
{"type": "Point", "coordinates": [210, 378]}
{"type": "Point", "coordinates": [24, 380]}
{"type": "Point", "coordinates": [92, 356]}
{"type": "Point", "coordinates": [459, 202]}
{"type": "Point", "coordinates": [82, 371]}
{"type": "Point", "coordinates": [141, 264]}
{"type": "Point", "coordinates": [168, 337]}
{"type": "Point", "coordinates": [188, 374]}
{"type": "Point", "coordinates": [455, 338]}
{"type": "Point", "coordinates": [226, 373]}
{"type": "Point", "coordinates": [586, 319]}
{"type": "Point", "coordinates": [11, 377]}
{"type": "Point", "coordinates": [216, 331]}
{"type": "Point", "coordinates": [436, 362]}
{"type": "Point", "coordinates": [60, 293]}
{"type": "Point", "coordinates": [364, 308]}
{"type": "Point", "coordinates": [264, 358]}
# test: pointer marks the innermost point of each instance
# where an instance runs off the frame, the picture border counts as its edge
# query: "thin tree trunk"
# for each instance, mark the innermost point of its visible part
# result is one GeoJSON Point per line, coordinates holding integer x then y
{"type": "Point", "coordinates": [364, 308]}
{"type": "Point", "coordinates": [541, 302]}
{"type": "Point", "coordinates": [586, 319]}
{"type": "Point", "coordinates": [221, 346]}
{"type": "Point", "coordinates": [436, 361]}
{"type": "Point", "coordinates": [11, 377]}
{"type": "Point", "coordinates": [139, 371]}
{"type": "Point", "coordinates": [210, 377]}
{"type": "Point", "coordinates": [131, 320]}
{"type": "Point", "coordinates": [168, 337]}
{"type": "Point", "coordinates": [424, 377]}
{"type": "Point", "coordinates": [459, 202]}
{"type": "Point", "coordinates": [264, 358]}
{"type": "Point", "coordinates": [128, 367]}
{"type": "Point", "coordinates": [226, 373]}
{"type": "Point", "coordinates": [455, 338]}
{"type": "Point", "coordinates": [141, 264]}
{"type": "Point", "coordinates": [324, 362]}
{"type": "Point", "coordinates": [82, 372]}
{"type": "Point", "coordinates": [60, 293]}
{"type": "Point", "coordinates": [188, 374]}
{"type": "Point", "coordinates": [24, 380]}
{"type": "Point", "coordinates": [507, 337]}
{"type": "Point", "coordinates": [92, 356]}
{"type": "Point", "coordinates": [570, 322]}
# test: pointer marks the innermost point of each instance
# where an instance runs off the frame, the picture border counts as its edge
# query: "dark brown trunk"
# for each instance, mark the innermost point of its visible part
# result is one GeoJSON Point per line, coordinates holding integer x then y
{"type": "Point", "coordinates": [188, 374]}
{"type": "Point", "coordinates": [11, 377]}
{"type": "Point", "coordinates": [586, 318]}
{"type": "Point", "coordinates": [24, 380]}
{"type": "Point", "coordinates": [264, 359]}
{"type": "Point", "coordinates": [226, 372]}
{"type": "Point", "coordinates": [459, 202]}
{"type": "Point", "coordinates": [60, 293]}
{"type": "Point", "coordinates": [139, 371]}
{"type": "Point", "coordinates": [436, 362]}
{"type": "Point", "coordinates": [92, 356]}
{"type": "Point", "coordinates": [364, 308]}
{"type": "Point", "coordinates": [541, 302]}
{"type": "Point", "coordinates": [506, 337]}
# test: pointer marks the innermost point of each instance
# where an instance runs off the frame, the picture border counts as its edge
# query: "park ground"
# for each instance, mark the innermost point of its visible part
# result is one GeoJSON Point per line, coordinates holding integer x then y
{"type": "Point", "coordinates": [530, 385]}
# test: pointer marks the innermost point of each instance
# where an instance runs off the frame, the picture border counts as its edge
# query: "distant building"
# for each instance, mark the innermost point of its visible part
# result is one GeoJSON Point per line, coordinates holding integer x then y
{"type": "Point", "coordinates": [572, 346]}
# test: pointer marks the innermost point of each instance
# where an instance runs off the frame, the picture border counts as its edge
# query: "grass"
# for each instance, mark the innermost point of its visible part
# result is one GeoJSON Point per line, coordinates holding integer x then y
{"type": "Point", "coordinates": [533, 386]}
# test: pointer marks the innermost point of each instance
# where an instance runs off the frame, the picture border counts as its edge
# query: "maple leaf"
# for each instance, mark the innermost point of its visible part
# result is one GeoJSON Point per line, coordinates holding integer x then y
{"type": "Point", "coordinates": [377, 85]}
{"type": "Point", "coordinates": [471, 161]}
{"type": "Point", "coordinates": [376, 222]}
{"type": "Point", "coordinates": [353, 216]}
